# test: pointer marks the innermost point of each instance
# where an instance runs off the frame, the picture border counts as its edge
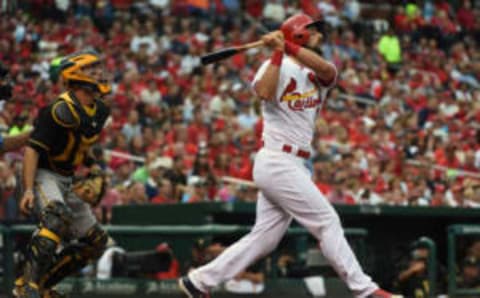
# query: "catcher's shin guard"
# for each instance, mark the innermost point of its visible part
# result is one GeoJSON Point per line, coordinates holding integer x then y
{"type": "Point", "coordinates": [54, 227]}
{"type": "Point", "coordinates": [75, 256]}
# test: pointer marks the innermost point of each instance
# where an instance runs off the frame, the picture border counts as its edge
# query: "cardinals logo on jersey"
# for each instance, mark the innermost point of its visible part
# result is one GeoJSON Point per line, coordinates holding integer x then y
{"type": "Point", "coordinates": [299, 101]}
{"type": "Point", "coordinates": [292, 85]}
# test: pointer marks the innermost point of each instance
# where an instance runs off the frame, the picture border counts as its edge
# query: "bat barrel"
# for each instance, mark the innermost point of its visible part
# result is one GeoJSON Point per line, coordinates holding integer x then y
{"type": "Point", "coordinates": [217, 56]}
{"type": "Point", "coordinates": [228, 52]}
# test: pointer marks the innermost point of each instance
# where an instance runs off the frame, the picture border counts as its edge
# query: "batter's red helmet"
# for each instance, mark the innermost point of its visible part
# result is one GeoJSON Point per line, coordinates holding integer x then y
{"type": "Point", "coordinates": [295, 28]}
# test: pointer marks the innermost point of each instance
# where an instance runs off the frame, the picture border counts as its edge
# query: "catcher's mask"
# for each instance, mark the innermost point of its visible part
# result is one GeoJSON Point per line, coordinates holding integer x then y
{"type": "Point", "coordinates": [296, 28]}
{"type": "Point", "coordinates": [85, 69]}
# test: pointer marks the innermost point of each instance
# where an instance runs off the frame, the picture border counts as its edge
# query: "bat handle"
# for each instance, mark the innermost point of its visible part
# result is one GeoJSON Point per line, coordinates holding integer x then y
{"type": "Point", "coordinates": [251, 45]}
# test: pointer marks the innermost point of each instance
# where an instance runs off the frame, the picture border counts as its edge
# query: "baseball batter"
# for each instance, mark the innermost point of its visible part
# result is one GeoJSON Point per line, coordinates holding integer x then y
{"type": "Point", "coordinates": [292, 86]}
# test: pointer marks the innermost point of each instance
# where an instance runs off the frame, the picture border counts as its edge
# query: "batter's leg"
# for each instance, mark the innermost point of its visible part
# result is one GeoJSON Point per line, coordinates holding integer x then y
{"type": "Point", "coordinates": [288, 183]}
{"type": "Point", "coordinates": [323, 222]}
{"type": "Point", "coordinates": [270, 225]}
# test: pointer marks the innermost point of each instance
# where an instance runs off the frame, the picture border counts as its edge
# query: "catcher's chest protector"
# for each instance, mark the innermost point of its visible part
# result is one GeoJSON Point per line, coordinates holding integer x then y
{"type": "Point", "coordinates": [75, 128]}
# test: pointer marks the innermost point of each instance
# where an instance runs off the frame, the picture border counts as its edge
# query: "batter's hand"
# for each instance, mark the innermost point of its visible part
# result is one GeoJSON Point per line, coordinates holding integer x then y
{"type": "Point", "coordinates": [274, 40]}
{"type": "Point", "coordinates": [26, 204]}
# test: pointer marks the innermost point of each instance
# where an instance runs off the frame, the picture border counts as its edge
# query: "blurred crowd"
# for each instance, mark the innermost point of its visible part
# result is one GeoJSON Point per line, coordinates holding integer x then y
{"type": "Point", "coordinates": [400, 128]}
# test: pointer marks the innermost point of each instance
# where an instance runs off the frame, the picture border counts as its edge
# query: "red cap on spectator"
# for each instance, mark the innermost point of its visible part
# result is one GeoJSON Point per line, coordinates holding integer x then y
{"type": "Point", "coordinates": [116, 163]}
{"type": "Point", "coordinates": [439, 187]}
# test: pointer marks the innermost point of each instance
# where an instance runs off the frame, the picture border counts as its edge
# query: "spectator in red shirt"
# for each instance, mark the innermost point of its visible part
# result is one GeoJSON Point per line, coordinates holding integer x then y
{"type": "Point", "coordinates": [165, 193]}
{"type": "Point", "coordinates": [198, 130]}
{"type": "Point", "coordinates": [465, 15]}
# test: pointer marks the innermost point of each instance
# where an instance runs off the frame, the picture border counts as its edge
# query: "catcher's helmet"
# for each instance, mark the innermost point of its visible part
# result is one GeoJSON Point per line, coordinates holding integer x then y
{"type": "Point", "coordinates": [295, 28]}
{"type": "Point", "coordinates": [80, 69]}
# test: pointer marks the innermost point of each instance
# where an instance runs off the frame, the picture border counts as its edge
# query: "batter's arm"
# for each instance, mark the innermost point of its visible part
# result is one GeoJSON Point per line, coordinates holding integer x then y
{"type": "Point", "coordinates": [324, 70]}
{"type": "Point", "coordinates": [266, 85]}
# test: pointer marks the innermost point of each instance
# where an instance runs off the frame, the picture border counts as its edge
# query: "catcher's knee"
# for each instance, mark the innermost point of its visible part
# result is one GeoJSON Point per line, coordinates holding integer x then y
{"type": "Point", "coordinates": [96, 240]}
{"type": "Point", "coordinates": [55, 220]}
{"type": "Point", "coordinates": [42, 249]}
{"type": "Point", "coordinates": [54, 227]}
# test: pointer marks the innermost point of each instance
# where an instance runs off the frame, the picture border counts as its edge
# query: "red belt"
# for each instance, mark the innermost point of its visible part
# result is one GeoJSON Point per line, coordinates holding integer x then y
{"type": "Point", "coordinates": [300, 153]}
{"type": "Point", "coordinates": [288, 149]}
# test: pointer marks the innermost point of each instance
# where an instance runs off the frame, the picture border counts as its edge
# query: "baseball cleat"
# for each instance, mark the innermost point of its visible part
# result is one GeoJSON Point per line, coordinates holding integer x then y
{"type": "Point", "coordinates": [189, 289]}
{"type": "Point", "coordinates": [26, 290]}
{"type": "Point", "coordinates": [20, 291]}
{"type": "Point", "coordinates": [379, 293]}
{"type": "Point", "coordinates": [18, 288]}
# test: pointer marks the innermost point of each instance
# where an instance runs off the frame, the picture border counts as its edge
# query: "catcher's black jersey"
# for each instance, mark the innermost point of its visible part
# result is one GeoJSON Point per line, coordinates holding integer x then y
{"type": "Point", "coordinates": [64, 131]}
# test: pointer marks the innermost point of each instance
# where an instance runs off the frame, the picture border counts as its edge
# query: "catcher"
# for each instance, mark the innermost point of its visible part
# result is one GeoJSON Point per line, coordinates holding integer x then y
{"type": "Point", "coordinates": [63, 134]}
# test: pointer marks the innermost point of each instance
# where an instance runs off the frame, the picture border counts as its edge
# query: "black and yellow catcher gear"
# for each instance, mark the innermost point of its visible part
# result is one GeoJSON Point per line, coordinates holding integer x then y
{"type": "Point", "coordinates": [85, 69]}
{"type": "Point", "coordinates": [64, 132]}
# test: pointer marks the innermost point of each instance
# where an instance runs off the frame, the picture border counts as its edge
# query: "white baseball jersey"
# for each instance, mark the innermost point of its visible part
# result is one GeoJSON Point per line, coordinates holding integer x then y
{"type": "Point", "coordinates": [290, 117]}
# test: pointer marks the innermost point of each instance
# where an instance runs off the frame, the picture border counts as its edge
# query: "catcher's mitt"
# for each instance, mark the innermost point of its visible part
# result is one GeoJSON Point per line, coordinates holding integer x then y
{"type": "Point", "coordinates": [91, 189]}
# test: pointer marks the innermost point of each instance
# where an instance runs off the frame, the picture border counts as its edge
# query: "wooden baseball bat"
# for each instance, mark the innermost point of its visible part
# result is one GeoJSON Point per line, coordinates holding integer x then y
{"type": "Point", "coordinates": [228, 52]}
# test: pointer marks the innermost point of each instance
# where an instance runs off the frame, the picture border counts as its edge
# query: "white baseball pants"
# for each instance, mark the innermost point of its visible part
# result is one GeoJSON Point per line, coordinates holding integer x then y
{"type": "Point", "coordinates": [287, 192]}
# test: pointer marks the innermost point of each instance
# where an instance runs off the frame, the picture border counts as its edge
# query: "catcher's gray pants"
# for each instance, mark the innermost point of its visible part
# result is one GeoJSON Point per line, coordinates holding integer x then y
{"type": "Point", "coordinates": [50, 186]}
